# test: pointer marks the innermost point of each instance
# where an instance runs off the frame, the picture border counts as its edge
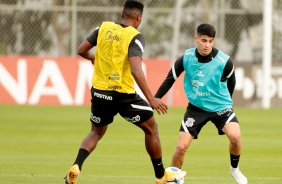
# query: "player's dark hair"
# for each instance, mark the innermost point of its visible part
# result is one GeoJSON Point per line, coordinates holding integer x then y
{"type": "Point", "coordinates": [206, 29]}
{"type": "Point", "coordinates": [133, 5]}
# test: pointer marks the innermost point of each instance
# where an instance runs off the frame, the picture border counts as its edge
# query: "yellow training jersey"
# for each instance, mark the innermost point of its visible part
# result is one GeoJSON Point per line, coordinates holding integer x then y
{"type": "Point", "coordinates": [112, 68]}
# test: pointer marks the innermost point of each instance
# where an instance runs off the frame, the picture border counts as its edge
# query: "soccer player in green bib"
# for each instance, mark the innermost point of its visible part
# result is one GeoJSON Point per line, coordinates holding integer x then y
{"type": "Point", "coordinates": [209, 82]}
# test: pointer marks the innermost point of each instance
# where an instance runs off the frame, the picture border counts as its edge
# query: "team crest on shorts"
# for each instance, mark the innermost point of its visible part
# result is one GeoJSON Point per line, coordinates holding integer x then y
{"type": "Point", "coordinates": [95, 118]}
{"type": "Point", "coordinates": [189, 122]}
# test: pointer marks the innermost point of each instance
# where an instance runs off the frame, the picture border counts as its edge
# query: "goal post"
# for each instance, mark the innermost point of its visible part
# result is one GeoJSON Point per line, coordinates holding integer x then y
{"type": "Point", "coordinates": [267, 53]}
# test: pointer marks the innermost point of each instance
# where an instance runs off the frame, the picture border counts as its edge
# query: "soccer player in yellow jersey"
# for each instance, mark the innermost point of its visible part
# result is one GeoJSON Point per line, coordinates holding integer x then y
{"type": "Point", "coordinates": [117, 63]}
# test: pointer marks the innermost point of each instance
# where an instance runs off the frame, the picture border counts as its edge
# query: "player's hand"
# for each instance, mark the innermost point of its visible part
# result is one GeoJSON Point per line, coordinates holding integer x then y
{"type": "Point", "coordinates": [158, 105]}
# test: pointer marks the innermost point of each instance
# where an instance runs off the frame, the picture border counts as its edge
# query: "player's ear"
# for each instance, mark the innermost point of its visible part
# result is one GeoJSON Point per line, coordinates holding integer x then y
{"type": "Point", "coordinates": [195, 38]}
{"type": "Point", "coordinates": [139, 18]}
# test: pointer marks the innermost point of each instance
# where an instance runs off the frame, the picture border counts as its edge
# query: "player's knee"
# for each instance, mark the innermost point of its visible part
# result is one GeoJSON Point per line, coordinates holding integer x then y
{"type": "Point", "coordinates": [150, 129]}
{"type": "Point", "coordinates": [235, 138]}
{"type": "Point", "coordinates": [154, 131]}
{"type": "Point", "coordinates": [181, 149]}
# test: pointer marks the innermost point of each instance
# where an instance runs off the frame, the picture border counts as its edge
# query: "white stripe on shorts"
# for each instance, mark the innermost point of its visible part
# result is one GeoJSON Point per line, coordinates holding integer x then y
{"type": "Point", "coordinates": [142, 107]}
{"type": "Point", "coordinates": [184, 126]}
{"type": "Point", "coordinates": [230, 117]}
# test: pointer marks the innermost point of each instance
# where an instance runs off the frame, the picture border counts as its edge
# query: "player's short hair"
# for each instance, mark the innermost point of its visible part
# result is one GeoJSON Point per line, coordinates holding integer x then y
{"type": "Point", "coordinates": [133, 5]}
{"type": "Point", "coordinates": [206, 29]}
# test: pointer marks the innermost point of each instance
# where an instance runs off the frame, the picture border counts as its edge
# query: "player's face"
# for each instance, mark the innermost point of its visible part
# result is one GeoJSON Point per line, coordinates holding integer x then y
{"type": "Point", "coordinates": [205, 44]}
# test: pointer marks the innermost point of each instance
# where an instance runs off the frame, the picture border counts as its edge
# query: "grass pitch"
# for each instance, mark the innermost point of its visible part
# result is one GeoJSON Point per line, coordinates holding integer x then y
{"type": "Point", "coordinates": [40, 143]}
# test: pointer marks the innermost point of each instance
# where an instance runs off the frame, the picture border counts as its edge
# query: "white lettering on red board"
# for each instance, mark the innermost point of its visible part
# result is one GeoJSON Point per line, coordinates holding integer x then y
{"type": "Point", "coordinates": [17, 87]}
{"type": "Point", "coordinates": [50, 72]}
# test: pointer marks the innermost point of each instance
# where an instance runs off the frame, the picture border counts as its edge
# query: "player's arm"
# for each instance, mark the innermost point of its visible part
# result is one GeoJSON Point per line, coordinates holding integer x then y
{"type": "Point", "coordinates": [85, 47]}
{"type": "Point", "coordinates": [229, 75]}
{"type": "Point", "coordinates": [172, 75]}
{"type": "Point", "coordinates": [136, 49]}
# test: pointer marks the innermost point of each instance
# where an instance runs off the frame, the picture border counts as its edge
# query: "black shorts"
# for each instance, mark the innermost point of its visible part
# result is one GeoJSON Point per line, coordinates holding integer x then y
{"type": "Point", "coordinates": [195, 119]}
{"type": "Point", "coordinates": [106, 104]}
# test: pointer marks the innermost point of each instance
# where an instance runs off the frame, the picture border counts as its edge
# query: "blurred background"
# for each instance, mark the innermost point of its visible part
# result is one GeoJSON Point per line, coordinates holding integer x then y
{"type": "Point", "coordinates": [45, 98]}
{"type": "Point", "coordinates": [56, 28]}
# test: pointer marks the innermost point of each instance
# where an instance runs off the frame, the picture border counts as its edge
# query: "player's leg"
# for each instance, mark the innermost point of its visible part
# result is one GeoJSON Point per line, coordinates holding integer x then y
{"type": "Point", "coordinates": [227, 123]}
{"type": "Point", "coordinates": [152, 140]}
{"type": "Point", "coordinates": [232, 130]}
{"type": "Point", "coordinates": [102, 113]}
{"type": "Point", "coordinates": [137, 111]}
{"type": "Point", "coordinates": [191, 125]}
{"type": "Point", "coordinates": [184, 141]}
{"type": "Point", "coordinates": [87, 146]}
{"type": "Point", "coordinates": [153, 147]}
{"type": "Point", "coordinates": [89, 143]}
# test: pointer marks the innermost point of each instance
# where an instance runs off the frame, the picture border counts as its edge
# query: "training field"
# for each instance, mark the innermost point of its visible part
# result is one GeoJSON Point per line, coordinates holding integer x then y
{"type": "Point", "coordinates": [39, 144]}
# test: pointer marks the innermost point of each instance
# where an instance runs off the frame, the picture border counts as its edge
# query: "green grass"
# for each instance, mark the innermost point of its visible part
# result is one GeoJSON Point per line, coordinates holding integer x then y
{"type": "Point", "coordinates": [39, 144]}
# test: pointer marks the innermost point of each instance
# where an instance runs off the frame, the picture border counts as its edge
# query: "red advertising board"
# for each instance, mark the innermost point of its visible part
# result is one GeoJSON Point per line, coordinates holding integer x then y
{"type": "Point", "coordinates": [34, 80]}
